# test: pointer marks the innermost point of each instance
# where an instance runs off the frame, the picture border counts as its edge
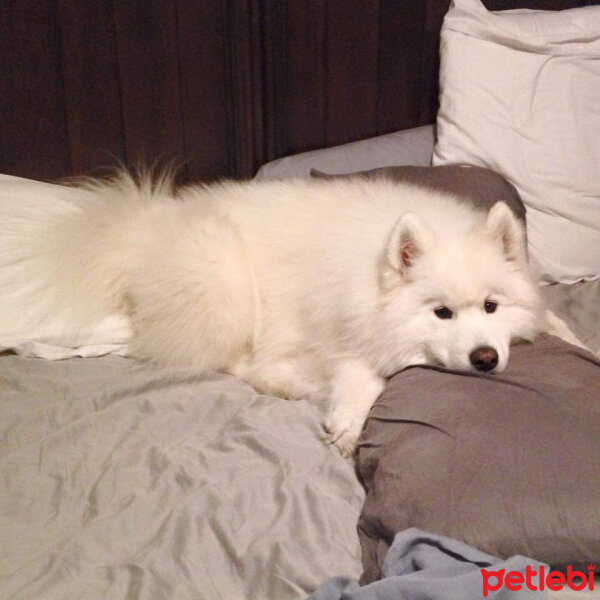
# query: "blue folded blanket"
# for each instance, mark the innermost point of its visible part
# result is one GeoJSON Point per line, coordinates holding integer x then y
{"type": "Point", "coordinates": [425, 566]}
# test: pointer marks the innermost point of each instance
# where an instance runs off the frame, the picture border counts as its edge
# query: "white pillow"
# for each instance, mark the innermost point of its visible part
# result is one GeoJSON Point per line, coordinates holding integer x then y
{"type": "Point", "coordinates": [520, 94]}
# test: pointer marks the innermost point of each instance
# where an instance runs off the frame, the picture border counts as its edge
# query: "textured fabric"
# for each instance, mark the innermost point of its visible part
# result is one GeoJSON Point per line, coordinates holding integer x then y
{"type": "Point", "coordinates": [422, 565]}
{"type": "Point", "coordinates": [506, 463]}
{"type": "Point", "coordinates": [118, 482]}
{"type": "Point", "coordinates": [519, 94]}
{"type": "Point", "coordinates": [408, 147]}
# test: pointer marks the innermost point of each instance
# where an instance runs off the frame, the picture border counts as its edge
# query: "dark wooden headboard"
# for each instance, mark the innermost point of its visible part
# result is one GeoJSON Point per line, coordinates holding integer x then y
{"type": "Point", "coordinates": [221, 85]}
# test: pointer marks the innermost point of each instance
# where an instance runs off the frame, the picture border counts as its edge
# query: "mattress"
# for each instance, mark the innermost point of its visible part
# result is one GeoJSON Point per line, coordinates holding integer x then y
{"type": "Point", "coordinates": [124, 481]}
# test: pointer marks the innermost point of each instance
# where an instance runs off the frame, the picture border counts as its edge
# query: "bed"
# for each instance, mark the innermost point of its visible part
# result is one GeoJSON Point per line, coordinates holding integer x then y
{"type": "Point", "coordinates": [121, 481]}
{"type": "Point", "coordinates": [118, 480]}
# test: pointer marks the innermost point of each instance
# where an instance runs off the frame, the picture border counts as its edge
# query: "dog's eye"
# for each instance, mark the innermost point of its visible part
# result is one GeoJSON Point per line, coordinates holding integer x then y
{"type": "Point", "coordinates": [490, 306]}
{"type": "Point", "coordinates": [443, 312]}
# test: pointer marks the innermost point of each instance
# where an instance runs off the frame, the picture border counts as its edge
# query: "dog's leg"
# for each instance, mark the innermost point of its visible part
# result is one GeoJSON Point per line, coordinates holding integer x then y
{"type": "Point", "coordinates": [291, 378]}
{"type": "Point", "coordinates": [354, 389]}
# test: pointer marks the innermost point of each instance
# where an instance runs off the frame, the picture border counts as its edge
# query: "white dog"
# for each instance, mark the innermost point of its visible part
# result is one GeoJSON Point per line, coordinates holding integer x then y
{"type": "Point", "coordinates": [305, 289]}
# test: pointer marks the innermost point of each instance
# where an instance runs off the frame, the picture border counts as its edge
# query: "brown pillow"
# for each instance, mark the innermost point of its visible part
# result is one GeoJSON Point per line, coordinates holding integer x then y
{"type": "Point", "coordinates": [508, 463]}
{"type": "Point", "coordinates": [482, 186]}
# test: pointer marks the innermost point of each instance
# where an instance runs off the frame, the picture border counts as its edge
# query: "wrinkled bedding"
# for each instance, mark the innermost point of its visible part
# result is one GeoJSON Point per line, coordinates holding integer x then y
{"type": "Point", "coordinates": [422, 565]}
{"type": "Point", "coordinates": [118, 481]}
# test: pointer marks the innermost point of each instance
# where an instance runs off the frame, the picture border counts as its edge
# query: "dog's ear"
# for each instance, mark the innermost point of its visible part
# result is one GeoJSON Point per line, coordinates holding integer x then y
{"type": "Point", "coordinates": [504, 227]}
{"type": "Point", "coordinates": [408, 241]}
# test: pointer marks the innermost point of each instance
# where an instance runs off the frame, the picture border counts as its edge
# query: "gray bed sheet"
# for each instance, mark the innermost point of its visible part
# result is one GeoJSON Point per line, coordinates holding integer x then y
{"type": "Point", "coordinates": [118, 481]}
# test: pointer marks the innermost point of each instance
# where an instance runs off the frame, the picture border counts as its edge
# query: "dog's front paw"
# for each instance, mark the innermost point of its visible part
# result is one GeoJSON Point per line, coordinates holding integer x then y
{"type": "Point", "coordinates": [343, 429]}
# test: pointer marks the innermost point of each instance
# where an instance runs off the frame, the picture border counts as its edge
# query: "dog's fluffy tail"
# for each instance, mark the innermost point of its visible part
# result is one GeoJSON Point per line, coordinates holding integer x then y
{"type": "Point", "coordinates": [64, 256]}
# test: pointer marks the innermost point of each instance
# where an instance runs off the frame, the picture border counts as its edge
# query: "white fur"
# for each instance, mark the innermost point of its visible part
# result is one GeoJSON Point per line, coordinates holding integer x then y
{"type": "Point", "coordinates": [304, 288]}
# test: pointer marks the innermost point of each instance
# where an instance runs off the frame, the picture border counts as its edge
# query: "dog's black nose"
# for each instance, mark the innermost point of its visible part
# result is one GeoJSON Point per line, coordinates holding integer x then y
{"type": "Point", "coordinates": [484, 358]}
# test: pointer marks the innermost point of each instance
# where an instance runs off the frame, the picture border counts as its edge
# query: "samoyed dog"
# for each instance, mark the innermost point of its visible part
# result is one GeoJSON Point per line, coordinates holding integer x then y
{"type": "Point", "coordinates": [305, 289]}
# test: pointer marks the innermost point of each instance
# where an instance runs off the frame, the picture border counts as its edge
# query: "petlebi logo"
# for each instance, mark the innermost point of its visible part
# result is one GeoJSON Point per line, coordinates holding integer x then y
{"type": "Point", "coordinates": [537, 579]}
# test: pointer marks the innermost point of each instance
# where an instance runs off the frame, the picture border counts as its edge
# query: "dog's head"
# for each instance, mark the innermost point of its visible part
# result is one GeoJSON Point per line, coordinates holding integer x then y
{"type": "Point", "coordinates": [458, 300]}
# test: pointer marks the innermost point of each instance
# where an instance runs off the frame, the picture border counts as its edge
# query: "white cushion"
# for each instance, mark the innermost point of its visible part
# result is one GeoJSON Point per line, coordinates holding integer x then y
{"type": "Point", "coordinates": [520, 94]}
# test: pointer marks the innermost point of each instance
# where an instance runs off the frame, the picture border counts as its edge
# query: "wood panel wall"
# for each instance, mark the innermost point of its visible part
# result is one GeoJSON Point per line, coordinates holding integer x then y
{"type": "Point", "coordinates": [220, 85]}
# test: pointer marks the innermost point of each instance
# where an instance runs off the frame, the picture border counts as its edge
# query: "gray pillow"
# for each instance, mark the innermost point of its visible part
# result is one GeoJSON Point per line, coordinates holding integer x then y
{"type": "Point", "coordinates": [507, 463]}
{"type": "Point", "coordinates": [482, 186]}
